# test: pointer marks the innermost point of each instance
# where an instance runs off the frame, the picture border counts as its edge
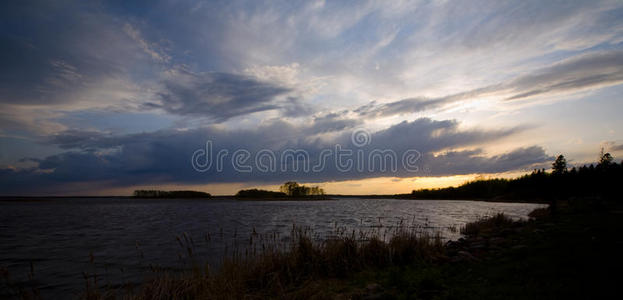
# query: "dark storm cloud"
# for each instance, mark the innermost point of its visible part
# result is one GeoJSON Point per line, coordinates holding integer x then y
{"type": "Point", "coordinates": [165, 156]}
{"type": "Point", "coordinates": [332, 122]}
{"type": "Point", "coordinates": [219, 96]}
{"type": "Point", "coordinates": [463, 162]}
{"type": "Point", "coordinates": [426, 135]}
{"type": "Point", "coordinates": [55, 54]}
{"type": "Point", "coordinates": [77, 139]}
{"type": "Point", "coordinates": [50, 52]}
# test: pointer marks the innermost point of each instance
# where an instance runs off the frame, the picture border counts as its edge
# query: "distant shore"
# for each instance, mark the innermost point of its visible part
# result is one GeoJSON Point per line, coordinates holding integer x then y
{"type": "Point", "coordinates": [287, 198]}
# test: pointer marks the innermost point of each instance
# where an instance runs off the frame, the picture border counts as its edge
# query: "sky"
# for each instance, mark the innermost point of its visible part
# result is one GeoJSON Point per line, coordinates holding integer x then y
{"type": "Point", "coordinates": [104, 97]}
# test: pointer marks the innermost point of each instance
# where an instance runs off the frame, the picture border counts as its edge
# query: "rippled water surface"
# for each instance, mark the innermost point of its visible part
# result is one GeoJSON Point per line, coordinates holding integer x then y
{"type": "Point", "coordinates": [125, 236]}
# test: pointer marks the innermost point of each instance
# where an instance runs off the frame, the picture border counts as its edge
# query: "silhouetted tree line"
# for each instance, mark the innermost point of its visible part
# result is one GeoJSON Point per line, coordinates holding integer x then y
{"type": "Point", "coordinates": [294, 189]}
{"type": "Point", "coordinates": [594, 181]}
{"type": "Point", "coordinates": [255, 193]}
{"type": "Point", "coordinates": [169, 194]}
{"type": "Point", "coordinates": [288, 189]}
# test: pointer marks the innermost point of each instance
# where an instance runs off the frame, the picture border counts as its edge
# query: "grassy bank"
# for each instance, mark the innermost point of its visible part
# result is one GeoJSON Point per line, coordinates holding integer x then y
{"type": "Point", "coordinates": [299, 270]}
{"type": "Point", "coordinates": [574, 254]}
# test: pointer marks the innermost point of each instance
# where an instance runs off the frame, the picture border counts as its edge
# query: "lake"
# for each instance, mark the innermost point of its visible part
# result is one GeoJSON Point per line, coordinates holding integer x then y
{"type": "Point", "coordinates": [120, 239]}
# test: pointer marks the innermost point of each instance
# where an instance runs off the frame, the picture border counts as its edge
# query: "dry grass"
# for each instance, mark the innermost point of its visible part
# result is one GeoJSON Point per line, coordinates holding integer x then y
{"type": "Point", "coordinates": [488, 224]}
{"type": "Point", "coordinates": [298, 268]}
{"type": "Point", "coordinates": [286, 271]}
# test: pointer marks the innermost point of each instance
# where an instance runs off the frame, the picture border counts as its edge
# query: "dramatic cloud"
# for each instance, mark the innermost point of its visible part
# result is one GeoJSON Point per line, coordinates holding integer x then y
{"type": "Point", "coordinates": [463, 162]}
{"type": "Point", "coordinates": [51, 57]}
{"type": "Point", "coordinates": [583, 72]}
{"type": "Point", "coordinates": [78, 139]}
{"type": "Point", "coordinates": [66, 56]}
{"type": "Point", "coordinates": [589, 71]}
{"type": "Point", "coordinates": [165, 156]}
{"type": "Point", "coordinates": [331, 122]}
{"type": "Point", "coordinates": [117, 94]}
{"type": "Point", "coordinates": [412, 105]}
{"type": "Point", "coordinates": [403, 106]}
{"type": "Point", "coordinates": [219, 96]}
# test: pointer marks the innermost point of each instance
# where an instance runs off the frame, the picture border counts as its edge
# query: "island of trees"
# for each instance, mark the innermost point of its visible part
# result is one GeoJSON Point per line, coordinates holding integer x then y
{"type": "Point", "coordinates": [169, 194]}
{"type": "Point", "coordinates": [598, 181]}
{"type": "Point", "coordinates": [288, 191]}
{"type": "Point", "coordinates": [293, 189]}
{"type": "Point", "coordinates": [255, 193]}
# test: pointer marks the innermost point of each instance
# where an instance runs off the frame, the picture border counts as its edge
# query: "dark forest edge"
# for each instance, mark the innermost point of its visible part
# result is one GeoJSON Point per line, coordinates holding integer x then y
{"type": "Point", "coordinates": [592, 181]}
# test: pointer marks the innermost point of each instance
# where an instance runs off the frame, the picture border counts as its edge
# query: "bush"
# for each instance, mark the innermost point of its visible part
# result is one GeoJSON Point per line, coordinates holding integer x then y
{"type": "Point", "coordinates": [487, 224]}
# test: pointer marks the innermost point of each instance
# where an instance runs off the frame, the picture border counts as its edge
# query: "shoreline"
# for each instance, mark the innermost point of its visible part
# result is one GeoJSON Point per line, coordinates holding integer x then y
{"type": "Point", "coordinates": [494, 249]}
{"type": "Point", "coordinates": [497, 256]}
